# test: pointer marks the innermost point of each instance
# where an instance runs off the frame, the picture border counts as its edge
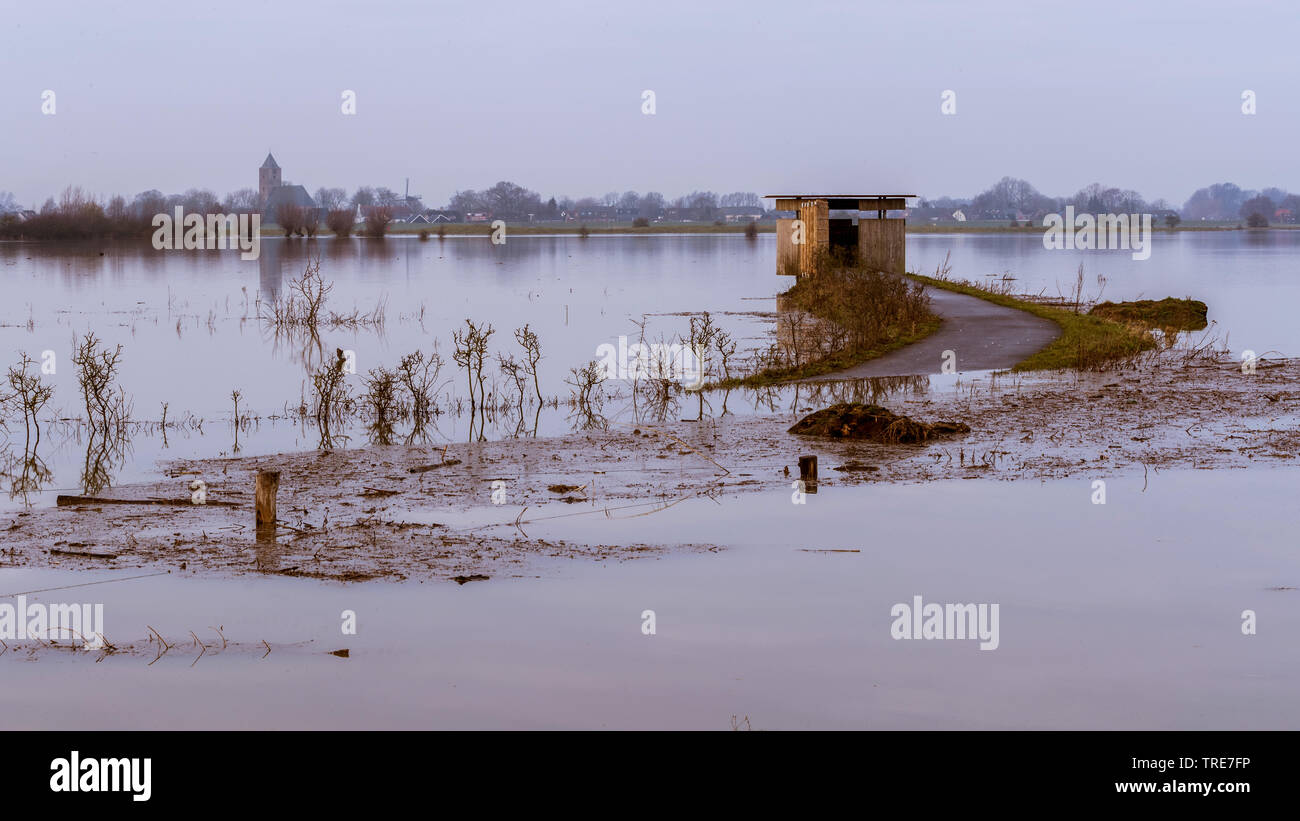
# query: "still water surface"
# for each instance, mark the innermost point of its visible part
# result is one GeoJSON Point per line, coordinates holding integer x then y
{"type": "Point", "coordinates": [187, 320]}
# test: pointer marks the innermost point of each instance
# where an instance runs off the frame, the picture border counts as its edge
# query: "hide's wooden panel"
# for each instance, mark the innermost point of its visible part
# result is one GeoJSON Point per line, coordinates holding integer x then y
{"type": "Point", "coordinates": [882, 244]}
{"type": "Point", "coordinates": [816, 215]}
{"type": "Point", "coordinates": [893, 204]}
{"type": "Point", "coordinates": [787, 253]}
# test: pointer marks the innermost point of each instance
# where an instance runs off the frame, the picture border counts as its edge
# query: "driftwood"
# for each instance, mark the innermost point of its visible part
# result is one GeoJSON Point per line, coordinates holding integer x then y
{"type": "Point", "coordinates": [85, 554]}
{"type": "Point", "coordinates": [65, 501]}
{"type": "Point", "coordinates": [427, 468]}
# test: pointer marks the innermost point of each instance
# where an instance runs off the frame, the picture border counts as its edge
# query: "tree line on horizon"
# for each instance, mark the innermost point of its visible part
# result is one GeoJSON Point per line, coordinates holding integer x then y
{"type": "Point", "coordinates": [1016, 199]}
{"type": "Point", "coordinates": [77, 214]}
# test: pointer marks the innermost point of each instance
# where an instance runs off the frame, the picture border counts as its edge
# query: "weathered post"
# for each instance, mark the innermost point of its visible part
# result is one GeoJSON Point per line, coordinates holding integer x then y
{"type": "Point", "coordinates": [808, 472]}
{"type": "Point", "coordinates": [268, 483]}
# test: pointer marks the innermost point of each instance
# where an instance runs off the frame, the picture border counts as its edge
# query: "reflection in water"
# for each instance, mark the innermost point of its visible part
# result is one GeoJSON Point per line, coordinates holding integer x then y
{"type": "Point", "coordinates": [105, 452]}
{"type": "Point", "coordinates": [267, 551]}
{"type": "Point", "coordinates": [873, 390]}
{"type": "Point", "coordinates": [28, 397]}
{"type": "Point", "coordinates": [27, 474]}
{"type": "Point", "coordinates": [269, 275]}
{"type": "Point", "coordinates": [576, 294]}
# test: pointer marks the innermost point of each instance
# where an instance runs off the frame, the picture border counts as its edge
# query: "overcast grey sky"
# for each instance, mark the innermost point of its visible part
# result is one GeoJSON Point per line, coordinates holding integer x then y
{"type": "Point", "coordinates": [755, 96]}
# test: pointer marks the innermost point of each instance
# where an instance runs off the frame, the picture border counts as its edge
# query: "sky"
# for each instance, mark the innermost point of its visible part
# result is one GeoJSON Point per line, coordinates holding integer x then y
{"type": "Point", "coordinates": [770, 97]}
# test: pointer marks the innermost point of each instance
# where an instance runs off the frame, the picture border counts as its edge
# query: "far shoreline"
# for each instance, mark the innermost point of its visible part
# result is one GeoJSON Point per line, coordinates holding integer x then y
{"type": "Point", "coordinates": [442, 231]}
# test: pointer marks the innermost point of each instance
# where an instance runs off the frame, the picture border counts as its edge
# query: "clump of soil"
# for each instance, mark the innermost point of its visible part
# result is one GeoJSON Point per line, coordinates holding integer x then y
{"type": "Point", "coordinates": [853, 420]}
{"type": "Point", "coordinates": [1168, 314]}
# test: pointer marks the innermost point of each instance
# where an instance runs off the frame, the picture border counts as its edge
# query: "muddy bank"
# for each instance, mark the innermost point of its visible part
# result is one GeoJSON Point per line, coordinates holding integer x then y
{"type": "Point", "coordinates": [399, 512]}
{"type": "Point", "coordinates": [854, 420]}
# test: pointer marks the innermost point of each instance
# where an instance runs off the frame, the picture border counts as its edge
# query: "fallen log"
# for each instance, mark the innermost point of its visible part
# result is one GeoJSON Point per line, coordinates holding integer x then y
{"type": "Point", "coordinates": [65, 501]}
{"type": "Point", "coordinates": [427, 468]}
{"type": "Point", "coordinates": [85, 554]}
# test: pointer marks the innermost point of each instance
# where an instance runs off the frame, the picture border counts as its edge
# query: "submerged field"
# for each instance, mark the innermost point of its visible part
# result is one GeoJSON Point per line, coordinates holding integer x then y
{"type": "Point", "coordinates": [466, 510]}
{"type": "Point", "coordinates": [505, 561]}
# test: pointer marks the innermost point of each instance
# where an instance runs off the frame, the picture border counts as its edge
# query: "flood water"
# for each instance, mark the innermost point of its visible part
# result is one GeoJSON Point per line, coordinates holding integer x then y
{"type": "Point", "coordinates": [1126, 615]}
{"type": "Point", "coordinates": [187, 320]}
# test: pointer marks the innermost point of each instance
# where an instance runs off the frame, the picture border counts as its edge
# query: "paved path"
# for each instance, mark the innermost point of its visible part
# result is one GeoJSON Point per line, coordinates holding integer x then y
{"type": "Point", "coordinates": [984, 336]}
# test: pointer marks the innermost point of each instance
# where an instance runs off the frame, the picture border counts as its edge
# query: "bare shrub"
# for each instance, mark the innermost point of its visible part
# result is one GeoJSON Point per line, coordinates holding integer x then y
{"type": "Point", "coordinates": [377, 219]}
{"type": "Point", "coordinates": [292, 219]}
{"type": "Point", "coordinates": [332, 400]}
{"type": "Point", "coordinates": [532, 346]}
{"type": "Point", "coordinates": [584, 398]}
{"type": "Point", "coordinates": [107, 409]}
{"type": "Point", "coordinates": [516, 376]}
{"type": "Point", "coordinates": [340, 222]}
{"type": "Point", "coordinates": [871, 306]}
{"type": "Point", "coordinates": [29, 395]}
{"type": "Point", "coordinates": [303, 306]}
{"type": "Point", "coordinates": [381, 403]}
{"type": "Point", "coordinates": [417, 375]}
{"type": "Point", "coordinates": [471, 347]}
{"type": "Point", "coordinates": [726, 348]}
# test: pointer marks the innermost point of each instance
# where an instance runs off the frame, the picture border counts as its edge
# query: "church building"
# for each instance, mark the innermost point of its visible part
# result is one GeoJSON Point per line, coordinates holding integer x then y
{"type": "Point", "coordinates": [273, 193]}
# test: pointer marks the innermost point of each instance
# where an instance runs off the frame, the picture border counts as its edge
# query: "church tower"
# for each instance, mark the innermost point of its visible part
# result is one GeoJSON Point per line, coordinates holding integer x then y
{"type": "Point", "coordinates": [268, 179]}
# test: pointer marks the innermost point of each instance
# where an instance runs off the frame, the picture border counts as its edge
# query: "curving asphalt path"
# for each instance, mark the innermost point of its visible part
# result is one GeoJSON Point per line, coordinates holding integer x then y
{"type": "Point", "coordinates": [984, 336]}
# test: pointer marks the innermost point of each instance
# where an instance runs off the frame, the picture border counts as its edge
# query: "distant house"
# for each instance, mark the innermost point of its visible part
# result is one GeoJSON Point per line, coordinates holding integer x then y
{"type": "Point", "coordinates": [1284, 215]}
{"type": "Point", "coordinates": [741, 213]}
{"type": "Point", "coordinates": [478, 216]}
{"type": "Point", "coordinates": [958, 215]}
{"type": "Point", "coordinates": [442, 216]}
{"type": "Point", "coordinates": [598, 213]}
{"type": "Point", "coordinates": [418, 219]}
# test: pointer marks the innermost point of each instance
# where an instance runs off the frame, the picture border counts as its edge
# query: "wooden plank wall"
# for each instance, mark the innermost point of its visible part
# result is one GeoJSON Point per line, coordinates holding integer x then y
{"type": "Point", "coordinates": [816, 216]}
{"type": "Point", "coordinates": [787, 253]}
{"type": "Point", "coordinates": [817, 234]}
{"type": "Point", "coordinates": [882, 244]}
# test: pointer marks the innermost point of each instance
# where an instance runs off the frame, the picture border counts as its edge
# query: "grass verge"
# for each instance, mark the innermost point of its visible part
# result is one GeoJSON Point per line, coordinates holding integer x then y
{"type": "Point", "coordinates": [1087, 341]}
{"type": "Point", "coordinates": [837, 361]}
{"type": "Point", "coordinates": [1169, 314]}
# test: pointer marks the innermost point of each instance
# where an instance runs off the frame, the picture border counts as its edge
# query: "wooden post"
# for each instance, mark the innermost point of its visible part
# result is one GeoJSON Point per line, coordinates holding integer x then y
{"type": "Point", "coordinates": [808, 471]}
{"type": "Point", "coordinates": [268, 482]}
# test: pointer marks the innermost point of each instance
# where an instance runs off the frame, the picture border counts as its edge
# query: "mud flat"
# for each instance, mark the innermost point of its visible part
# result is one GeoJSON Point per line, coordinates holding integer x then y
{"type": "Point", "coordinates": [430, 512]}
